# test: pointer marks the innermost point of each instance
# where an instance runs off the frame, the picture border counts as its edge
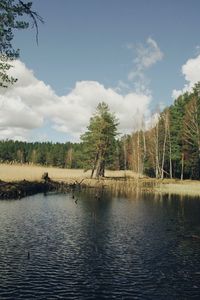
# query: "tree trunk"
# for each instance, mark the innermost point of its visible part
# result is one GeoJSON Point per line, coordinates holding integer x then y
{"type": "Point", "coordinates": [100, 168]}
{"type": "Point", "coordinates": [125, 157]}
{"type": "Point", "coordinates": [164, 147]}
{"type": "Point", "coordinates": [95, 164]}
{"type": "Point", "coordinates": [170, 156]}
{"type": "Point", "coordinates": [98, 164]}
{"type": "Point", "coordinates": [144, 150]}
{"type": "Point", "coordinates": [182, 165]}
{"type": "Point", "coordinates": [157, 152]}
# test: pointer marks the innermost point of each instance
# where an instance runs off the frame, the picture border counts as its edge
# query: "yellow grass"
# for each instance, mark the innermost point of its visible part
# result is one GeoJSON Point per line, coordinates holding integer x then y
{"type": "Point", "coordinates": [32, 173]}
{"type": "Point", "coordinates": [186, 187]}
{"type": "Point", "coordinates": [133, 182]}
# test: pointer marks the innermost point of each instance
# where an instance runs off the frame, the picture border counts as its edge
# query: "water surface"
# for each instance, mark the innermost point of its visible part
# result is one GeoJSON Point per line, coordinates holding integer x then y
{"type": "Point", "coordinates": [60, 247]}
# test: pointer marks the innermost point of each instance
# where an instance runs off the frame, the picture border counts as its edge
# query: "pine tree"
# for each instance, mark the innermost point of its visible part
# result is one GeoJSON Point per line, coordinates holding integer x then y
{"type": "Point", "coordinates": [99, 140]}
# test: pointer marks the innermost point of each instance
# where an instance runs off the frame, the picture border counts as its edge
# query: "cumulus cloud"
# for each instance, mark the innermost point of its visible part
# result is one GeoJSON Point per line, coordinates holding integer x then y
{"type": "Point", "coordinates": [84, 98]}
{"type": "Point", "coordinates": [30, 103]}
{"type": "Point", "coordinates": [146, 56]}
{"type": "Point", "coordinates": [15, 113]}
{"type": "Point", "coordinates": [191, 73]}
{"type": "Point", "coordinates": [22, 105]}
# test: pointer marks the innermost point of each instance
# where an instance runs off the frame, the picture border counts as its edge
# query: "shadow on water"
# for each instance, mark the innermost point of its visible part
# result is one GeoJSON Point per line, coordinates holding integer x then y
{"type": "Point", "coordinates": [100, 244]}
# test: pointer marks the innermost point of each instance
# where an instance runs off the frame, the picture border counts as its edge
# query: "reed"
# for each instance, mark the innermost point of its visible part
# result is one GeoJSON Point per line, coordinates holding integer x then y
{"type": "Point", "coordinates": [118, 182]}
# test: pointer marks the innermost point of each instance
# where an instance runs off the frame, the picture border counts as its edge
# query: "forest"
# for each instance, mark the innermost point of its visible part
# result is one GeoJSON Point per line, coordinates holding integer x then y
{"type": "Point", "coordinates": [168, 148]}
{"type": "Point", "coordinates": [171, 146]}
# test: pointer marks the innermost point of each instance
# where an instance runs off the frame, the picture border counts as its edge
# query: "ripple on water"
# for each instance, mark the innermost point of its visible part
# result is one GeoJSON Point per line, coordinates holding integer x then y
{"type": "Point", "coordinates": [51, 248]}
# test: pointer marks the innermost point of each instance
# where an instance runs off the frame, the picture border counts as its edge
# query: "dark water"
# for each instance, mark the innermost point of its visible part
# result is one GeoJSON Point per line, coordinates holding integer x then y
{"type": "Point", "coordinates": [109, 248]}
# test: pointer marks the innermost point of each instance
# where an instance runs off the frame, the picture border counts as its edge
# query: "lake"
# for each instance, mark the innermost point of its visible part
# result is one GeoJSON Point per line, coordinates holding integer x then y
{"type": "Point", "coordinates": [61, 246]}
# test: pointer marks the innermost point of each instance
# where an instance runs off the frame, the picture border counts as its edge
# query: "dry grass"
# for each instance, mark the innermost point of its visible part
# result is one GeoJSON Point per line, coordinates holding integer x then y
{"type": "Point", "coordinates": [186, 187]}
{"type": "Point", "coordinates": [131, 184]}
{"type": "Point", "coordinates": [32, 173]}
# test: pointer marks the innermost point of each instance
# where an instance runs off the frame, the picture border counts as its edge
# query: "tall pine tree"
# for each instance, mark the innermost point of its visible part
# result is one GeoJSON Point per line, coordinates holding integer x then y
{"type": "Point", "coordinates": [99, 140]}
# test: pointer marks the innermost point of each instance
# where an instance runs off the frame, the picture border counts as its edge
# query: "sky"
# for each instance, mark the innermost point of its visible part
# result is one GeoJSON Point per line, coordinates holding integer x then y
{"type": "Point", "coordinates": [135, 55]}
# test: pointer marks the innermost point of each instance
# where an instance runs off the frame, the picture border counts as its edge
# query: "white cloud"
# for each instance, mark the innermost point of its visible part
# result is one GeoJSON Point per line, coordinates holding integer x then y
{"type": "Point", "coordinates": [13, 133]}
{"type": "Point", "coordinates": [191, 73]}
{"type": "Point", "coordinates": [26, 106]}
{"type": "Point", "coordinates": [146, 56]}
{"type": "Point", "coordinates": [15, 113]}
{"type": "Point", "coordinates": [22, 106]}
{"type": "Point", "coordinates": [84, 98]}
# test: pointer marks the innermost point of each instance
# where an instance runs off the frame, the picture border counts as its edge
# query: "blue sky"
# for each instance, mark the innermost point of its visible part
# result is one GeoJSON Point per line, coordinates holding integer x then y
{"type": "Point", "coordinates": [133, 47]}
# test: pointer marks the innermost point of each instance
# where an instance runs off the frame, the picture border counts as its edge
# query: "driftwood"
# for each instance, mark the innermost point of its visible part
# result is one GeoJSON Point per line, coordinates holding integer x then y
{"type": "Point", "coordinates": [20, 189]}
{"type": "Point", "coordinates": [46, 177]}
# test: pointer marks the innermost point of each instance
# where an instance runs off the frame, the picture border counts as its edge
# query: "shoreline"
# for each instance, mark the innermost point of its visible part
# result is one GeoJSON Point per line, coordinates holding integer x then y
{"type": "Point", "coordinates": [23, 180]}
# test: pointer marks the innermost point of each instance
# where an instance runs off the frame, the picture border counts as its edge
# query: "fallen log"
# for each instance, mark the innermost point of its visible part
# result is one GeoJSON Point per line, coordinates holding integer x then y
{"type": "Point", "coordinates": [20, 189]}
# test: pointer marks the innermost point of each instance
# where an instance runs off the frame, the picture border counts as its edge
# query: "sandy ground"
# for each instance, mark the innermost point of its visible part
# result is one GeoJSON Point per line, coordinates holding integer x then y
{"type": "Point", "coordinates": [31, 173]}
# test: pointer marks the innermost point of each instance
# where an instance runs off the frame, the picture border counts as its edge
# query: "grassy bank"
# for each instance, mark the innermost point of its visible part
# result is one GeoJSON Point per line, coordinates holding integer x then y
{"type": "Point", "coordinates": [34, 173]}
{"type": "Point", "coordinates": [124, 182]}
{"type": "Point", "coordinates": [179, 187]}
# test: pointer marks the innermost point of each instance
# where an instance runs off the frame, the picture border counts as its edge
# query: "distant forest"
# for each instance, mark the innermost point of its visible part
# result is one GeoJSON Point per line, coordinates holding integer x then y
{"type": "Point", "coordinates": [62, 155]}
{"type": "Point", "coordinates": [170, 147]}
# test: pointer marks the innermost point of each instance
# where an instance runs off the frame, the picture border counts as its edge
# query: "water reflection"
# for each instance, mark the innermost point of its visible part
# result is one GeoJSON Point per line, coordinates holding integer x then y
{"type": "Point", "coordinates": [90, 246]}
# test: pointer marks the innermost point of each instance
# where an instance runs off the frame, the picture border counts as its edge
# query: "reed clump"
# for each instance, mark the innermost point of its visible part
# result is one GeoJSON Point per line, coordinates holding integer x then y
{"type": "Point", "coordinates": [118, 182]}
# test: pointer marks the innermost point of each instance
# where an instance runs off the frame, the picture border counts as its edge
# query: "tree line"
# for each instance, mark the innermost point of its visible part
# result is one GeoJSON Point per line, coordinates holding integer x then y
{"type": "Point", "coordinates": [63, 155]}
{"type": "Point", "coordinates": [170, 147]}
{"type": "Point", "coordinates": [98, 148]}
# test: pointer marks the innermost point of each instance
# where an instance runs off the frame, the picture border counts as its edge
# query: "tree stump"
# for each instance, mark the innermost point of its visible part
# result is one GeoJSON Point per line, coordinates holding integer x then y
{"type": "Point", "coordinates": [46, 177]}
